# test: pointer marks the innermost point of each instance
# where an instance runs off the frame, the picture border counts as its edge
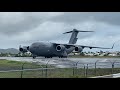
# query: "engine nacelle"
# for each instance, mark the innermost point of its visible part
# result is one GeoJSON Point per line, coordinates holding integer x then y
{"type": "Point", "coordinates": [78, 49]}
{"type": "Point", "coordinates": [60, 48]}
{"type": "Point", "coordinates": [24, 49]}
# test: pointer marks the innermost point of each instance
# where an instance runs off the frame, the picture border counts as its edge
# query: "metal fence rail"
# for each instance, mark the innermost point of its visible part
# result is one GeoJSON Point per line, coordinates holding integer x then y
{"type": "Point", "coordinates": [75, 69]}
{"type": "Point", "coordinates": [26, 70]}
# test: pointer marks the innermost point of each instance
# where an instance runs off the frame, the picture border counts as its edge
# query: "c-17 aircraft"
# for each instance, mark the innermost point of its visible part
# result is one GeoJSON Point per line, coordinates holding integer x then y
{"type": "Point", "coordinates": [49, 50]}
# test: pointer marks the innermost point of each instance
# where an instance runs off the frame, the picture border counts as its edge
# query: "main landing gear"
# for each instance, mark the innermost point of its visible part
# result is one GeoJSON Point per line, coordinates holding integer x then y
{"type": "Point", "coordinates": [62, 57]}
{"type": "Point", "coordinates": [34, 57]}
{"type": "Point", "coordinates": [48, 57]}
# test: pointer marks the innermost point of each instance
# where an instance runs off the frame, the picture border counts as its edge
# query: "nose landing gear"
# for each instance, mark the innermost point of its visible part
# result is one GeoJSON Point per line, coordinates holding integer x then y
{"type": "Point", "coordinates": [34, 56]}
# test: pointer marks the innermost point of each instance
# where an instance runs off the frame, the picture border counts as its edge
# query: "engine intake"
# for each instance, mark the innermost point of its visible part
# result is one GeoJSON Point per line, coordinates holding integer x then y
{"type": "Point", "coordinates": [60, 48]}
{"type": "Point", "coordinates": [78, 49]}
{"type": "Point", "coordinates": [24, 48]}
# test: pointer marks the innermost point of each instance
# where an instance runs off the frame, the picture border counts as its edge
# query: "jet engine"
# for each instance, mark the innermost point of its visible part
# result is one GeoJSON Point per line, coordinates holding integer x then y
{"type": "Point", "coordinates": [60, 47]}
{"type": "Point", "coordinates": [78, 49]}
{"type": "Point", "coordinates": [24, 49]}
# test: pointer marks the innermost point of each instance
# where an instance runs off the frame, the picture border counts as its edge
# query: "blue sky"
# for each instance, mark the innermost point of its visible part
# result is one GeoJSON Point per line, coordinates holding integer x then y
{"type": "Point", "coordinates": [24, 28]}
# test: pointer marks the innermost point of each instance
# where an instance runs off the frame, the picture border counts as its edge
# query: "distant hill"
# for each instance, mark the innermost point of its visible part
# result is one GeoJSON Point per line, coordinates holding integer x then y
{"type": "Point", "coordinates": [9, 50]}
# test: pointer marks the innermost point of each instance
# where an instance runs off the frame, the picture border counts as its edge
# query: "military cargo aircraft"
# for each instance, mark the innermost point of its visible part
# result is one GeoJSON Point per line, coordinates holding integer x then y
{"type": "Point", "coordinates": [49, 50]}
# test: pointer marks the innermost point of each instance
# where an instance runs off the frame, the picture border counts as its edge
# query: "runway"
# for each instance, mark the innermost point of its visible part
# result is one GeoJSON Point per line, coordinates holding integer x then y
{"type": "Point", "coordinates": [70, 62]}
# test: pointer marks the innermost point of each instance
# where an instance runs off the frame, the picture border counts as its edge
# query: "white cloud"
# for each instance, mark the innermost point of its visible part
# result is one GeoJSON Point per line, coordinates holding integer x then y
{"type": "Point", "coordinates": [10, 17]}
{"type": "Point", "coordinates": [26, 27]}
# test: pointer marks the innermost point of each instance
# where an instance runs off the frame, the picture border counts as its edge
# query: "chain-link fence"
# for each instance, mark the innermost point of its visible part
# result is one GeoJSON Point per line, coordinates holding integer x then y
{"type": "Point", "coordinates": [77, 69]}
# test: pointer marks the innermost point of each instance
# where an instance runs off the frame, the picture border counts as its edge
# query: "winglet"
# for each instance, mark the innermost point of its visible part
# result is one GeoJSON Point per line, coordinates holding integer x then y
{"type": "Point", "coordinates": [113, 46]}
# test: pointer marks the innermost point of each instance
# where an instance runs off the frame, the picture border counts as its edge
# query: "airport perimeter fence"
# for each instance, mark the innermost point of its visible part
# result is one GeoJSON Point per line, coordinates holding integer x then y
{"type": "Point", "coordinates": [71, 70]}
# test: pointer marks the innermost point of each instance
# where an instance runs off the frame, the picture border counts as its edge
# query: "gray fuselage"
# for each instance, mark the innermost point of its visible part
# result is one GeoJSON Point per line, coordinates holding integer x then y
{"type": "Point", "coordinates": [48, 49]}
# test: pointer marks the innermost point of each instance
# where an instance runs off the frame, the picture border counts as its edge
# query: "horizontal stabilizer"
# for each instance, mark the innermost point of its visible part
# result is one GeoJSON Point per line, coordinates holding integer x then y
{"type": "Point", "coordinates": [75, 30]}
{"type": "Point", "coordinates": [68, 32]}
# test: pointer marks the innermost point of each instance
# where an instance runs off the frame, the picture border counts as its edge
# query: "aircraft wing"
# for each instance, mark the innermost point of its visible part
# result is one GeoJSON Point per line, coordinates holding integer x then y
{"type": "Point", "coordinates": [73, 45]}
{"type": "Point", "coordinates": [94, 47]}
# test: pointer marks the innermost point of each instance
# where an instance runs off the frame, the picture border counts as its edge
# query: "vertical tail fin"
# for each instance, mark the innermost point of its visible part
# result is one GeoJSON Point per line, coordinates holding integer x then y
{"type": "Point", "coordinates": [74, 38]}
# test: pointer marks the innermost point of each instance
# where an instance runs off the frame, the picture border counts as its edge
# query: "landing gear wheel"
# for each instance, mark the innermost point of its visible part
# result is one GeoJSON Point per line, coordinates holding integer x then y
{"type": "Point", "coordinates": [48, 57]}
{"type": "Point", "coordinates": [60, 56]}
{"type": "Point", "coordinates": [34, 57]}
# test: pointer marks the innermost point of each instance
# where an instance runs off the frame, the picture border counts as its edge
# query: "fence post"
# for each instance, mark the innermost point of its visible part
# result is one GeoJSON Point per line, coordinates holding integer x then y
{"type": "Point", "coordinates": [73, 69]}
{"type": "Point", "coordinates": [87, 70]}
{"type": "Point", "coordinates": [46, 69]}
{"type": "Point", "coordinates": [42, 71]}
{"type": "Point", "coordinates": [76, 65]}
{"type": "Point", "coordinates": [112, 68]}
{"type": "Point", "coordinates": [84, 71]}
{"type": "Point", "coordinates": [22, 70]}
{"type": "Point", "coordinates": [96, 67]}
